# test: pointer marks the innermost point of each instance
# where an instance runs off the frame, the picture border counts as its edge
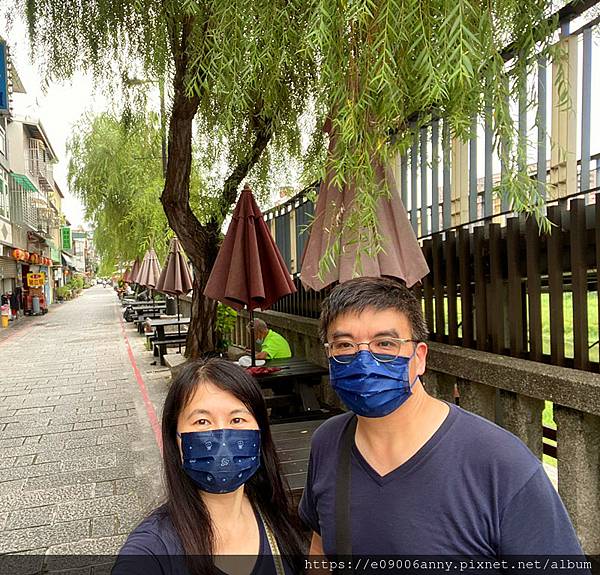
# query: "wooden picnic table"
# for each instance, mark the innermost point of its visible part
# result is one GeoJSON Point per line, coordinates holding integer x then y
{"type": "Point", "coordinates": [161, 323]}
{"type": "Point", "coordinates": [293, 389]}
{"type": "Point", "coordinates": [292, 443]}
{"type": "Point", "coordinates": [142, 314]}
{"type": "Point", "coordinates": [138, 304]}
{"type": "Point", "coordinates": [162, 340]}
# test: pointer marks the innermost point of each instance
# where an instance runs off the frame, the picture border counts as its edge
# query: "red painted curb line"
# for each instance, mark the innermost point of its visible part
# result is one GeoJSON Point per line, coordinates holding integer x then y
{"type": "Point", "coordinates": [152, 418]}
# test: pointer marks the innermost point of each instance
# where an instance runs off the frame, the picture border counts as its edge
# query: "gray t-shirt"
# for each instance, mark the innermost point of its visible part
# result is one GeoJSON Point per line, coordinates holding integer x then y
{"type": "Point", "coordinates": [473, 489]}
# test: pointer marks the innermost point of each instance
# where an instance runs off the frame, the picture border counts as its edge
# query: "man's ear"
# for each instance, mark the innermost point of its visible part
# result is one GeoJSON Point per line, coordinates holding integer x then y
{"type": "Point", "coordinates": [421, 358]}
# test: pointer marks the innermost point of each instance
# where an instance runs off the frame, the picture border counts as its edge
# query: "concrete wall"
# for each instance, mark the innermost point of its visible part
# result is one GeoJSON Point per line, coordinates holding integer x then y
{"type": "Point", "coordinates": [16, 140]}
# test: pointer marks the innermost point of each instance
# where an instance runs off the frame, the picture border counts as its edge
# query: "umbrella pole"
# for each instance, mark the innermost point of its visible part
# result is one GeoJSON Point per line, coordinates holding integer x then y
{"type": "Point", "coordinates": [178, 324]}
{"type": "Point", "coordinates": [253, 339]}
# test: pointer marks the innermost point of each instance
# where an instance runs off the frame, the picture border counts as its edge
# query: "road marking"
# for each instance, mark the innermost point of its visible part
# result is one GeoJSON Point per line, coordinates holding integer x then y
{"type": "Point", "coordinates": [152, 418]}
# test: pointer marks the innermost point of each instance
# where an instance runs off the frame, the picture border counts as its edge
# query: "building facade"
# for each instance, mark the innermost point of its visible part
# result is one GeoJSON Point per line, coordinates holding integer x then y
{"type": "Point", "coordinates": [30, 202]}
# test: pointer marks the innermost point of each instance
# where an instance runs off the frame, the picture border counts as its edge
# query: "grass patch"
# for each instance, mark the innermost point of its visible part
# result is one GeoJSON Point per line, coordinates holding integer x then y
{"type": "Point", "coordinates": [592, 313]}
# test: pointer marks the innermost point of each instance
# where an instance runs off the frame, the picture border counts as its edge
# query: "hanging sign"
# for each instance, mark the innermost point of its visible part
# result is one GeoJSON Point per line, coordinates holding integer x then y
{"type": "Point", "coordinates": [3, 79]}
{"type": "Point", "coordinates": [36, 279]}
{"type": "Point", "coordinates": [66, 238]}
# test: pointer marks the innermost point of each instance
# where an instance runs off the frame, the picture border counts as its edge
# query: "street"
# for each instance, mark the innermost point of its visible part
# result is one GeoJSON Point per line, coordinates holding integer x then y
{"type": "Point", "coordinates": [79, 457]}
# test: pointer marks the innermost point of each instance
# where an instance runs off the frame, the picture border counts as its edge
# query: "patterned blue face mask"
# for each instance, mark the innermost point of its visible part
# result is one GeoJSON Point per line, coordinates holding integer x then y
{"type": "Point", "coordinates": [220, 460]}
{"type": "Point", "coordinates": [372, 388]}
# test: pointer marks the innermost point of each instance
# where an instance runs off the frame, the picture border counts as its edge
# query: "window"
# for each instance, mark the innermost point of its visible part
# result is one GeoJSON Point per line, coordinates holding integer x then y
{"type": "Point", "coordinates": [2, 141]}
{"type": "Point", "coordinates": [4, 205]}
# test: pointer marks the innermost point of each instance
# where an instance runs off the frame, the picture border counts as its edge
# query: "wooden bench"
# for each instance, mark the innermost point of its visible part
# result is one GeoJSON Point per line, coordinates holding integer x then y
{"type": "Point", "coordinates": [292, 443]}
{"type": "Point", "coordinates": [152, 335]}
{"type": "Point", "coordinates": [160, 345]}
{"type": "Point", "coordinates": [166, 338]}
{"type": "Point", "coordinates": [141, 319]}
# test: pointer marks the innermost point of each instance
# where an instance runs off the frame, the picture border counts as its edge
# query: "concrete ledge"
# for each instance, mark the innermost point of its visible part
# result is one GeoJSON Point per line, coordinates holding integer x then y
{"type": "Point", "coordinates": [569, 387]}
{"type": "Point", "coordinates": [174, 362]}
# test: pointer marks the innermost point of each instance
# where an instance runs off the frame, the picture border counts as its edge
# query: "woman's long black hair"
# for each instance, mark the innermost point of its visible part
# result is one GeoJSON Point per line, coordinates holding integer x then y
{"type": "Point", "coordinates": [266, 489]}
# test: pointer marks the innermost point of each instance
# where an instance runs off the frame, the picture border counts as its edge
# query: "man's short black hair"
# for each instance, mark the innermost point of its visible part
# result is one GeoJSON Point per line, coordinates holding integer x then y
{"type": "Point", "coordinates": [358, 294]}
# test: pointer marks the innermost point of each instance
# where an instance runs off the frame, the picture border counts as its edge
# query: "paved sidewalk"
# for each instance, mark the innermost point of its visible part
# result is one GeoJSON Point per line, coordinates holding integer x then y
{"type": "Point", "coordinates": [79, 462]}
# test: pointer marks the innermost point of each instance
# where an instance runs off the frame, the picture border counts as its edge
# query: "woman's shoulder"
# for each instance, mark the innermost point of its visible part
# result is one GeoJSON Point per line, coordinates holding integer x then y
{"type": "Point", "coordinates": [155, 535]}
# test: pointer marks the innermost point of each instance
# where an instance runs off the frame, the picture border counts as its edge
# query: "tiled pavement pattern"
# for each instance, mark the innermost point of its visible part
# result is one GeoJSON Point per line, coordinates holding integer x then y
{"type": "Point", "coordinates": [79, 464]}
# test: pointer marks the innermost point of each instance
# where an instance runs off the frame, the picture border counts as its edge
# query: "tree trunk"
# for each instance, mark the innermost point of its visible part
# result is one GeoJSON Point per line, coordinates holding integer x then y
{"type": "Point", "coordinates": [200, 242]}
{"type": "Point", "coordinates": [201, 335]}
{"type": "Point", "coordinates": [199, 247]}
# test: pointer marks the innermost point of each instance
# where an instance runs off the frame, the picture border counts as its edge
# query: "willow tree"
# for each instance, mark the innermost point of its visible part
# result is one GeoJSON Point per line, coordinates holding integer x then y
{"type": "Point", "coordinates": [247, 70]}
{"type": "Point", "coordinates": [115, 169]}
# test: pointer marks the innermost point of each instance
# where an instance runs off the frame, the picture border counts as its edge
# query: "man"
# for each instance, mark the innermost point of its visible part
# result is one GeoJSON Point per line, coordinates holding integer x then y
{"type": "Point", "coordinates": [272, 344]}
{"type": "Point", "coordinates": [418, 476]}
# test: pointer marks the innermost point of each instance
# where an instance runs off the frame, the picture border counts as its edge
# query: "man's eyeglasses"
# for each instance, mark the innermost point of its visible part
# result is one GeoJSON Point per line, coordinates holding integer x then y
{"type": "Point", "coordinates": [381, 348]}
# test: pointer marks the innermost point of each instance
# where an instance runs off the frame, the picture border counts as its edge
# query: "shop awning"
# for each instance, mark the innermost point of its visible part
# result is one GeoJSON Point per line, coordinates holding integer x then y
{"type": "Point", "coordinates": [67, 260]}
{"type": "Point", "coordinates": [24, 182]}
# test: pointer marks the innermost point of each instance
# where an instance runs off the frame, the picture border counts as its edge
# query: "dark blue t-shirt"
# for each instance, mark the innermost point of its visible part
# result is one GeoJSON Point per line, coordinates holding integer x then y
{"type": "Point", "coordinates": [154, 548]}
{"type": "Point", "coordinates": [473, 489]}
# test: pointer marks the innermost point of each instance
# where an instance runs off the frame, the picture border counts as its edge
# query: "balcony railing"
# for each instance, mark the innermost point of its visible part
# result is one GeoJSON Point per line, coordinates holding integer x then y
{"type": "Point", "coordinates": [29, 206]}
{"type": "Point", "coordinates": [39, 167]}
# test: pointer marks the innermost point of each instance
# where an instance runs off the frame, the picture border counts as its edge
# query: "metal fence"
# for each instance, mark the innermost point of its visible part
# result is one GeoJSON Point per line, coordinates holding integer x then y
{"type": "Point", "coordinates": [496, 284]}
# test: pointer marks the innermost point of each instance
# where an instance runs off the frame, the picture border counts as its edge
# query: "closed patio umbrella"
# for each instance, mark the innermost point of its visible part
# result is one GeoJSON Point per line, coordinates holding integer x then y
{"type": "Point", "coordinates": [402, 257]}
{"type": "Point", "coordinates": [127, 275]}
{"type": "Point", "coordinates": [175, 278]}
{"type": "Point", "coordinates": [249, 270]}
{"type": "Point", "coordinates": [135, 270]}
{"type": "Point", "coordinates": [149, 271]}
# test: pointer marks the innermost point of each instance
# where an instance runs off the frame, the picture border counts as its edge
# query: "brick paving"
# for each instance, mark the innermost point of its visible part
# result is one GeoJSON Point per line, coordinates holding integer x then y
{"type": "Point", "coordinates": [79, 462]}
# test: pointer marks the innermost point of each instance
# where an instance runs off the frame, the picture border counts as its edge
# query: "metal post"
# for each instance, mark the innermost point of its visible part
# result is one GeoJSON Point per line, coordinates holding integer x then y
{"type": "Point", "coordinates": [404, 180]}
{"type": "Point", "coordinates": [446, 190]}
{"type": "Point", "coordinates": [178, 324]}
{"type": "Point", "coordinates": [435, 192]}
{"type": "Point", "coordinates": [473, 171]}
{"type": "Point", "coordinates": [413, 184]}
{"type": "Point", "coordinates": [586, 110]}
{"type": "Point", "coordinates": [424, 219]}
{"type": "Point", "coordinates": [542, 125]}
{"type": "Point", "coordinates": [252, 338]}
{"type": "Point", "coordinates": [488, 155]}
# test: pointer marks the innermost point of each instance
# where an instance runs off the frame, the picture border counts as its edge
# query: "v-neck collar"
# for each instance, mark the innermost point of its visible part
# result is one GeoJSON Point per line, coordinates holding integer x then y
{"type": "Point", "coordinates": [406, 467]}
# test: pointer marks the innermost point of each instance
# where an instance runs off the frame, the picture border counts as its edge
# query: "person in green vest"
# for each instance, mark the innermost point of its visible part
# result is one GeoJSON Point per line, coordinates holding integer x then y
{"type": "Point", "coordinates": [272, 344]}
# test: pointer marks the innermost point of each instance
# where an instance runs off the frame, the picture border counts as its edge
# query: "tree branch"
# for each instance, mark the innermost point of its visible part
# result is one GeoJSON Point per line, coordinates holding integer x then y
{"type": "Point", "coordinates": [263, 132]}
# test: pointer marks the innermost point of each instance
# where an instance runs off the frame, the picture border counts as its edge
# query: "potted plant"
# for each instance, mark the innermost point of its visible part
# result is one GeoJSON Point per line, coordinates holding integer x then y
{"type": "Point", "coordinates": [226, 318]}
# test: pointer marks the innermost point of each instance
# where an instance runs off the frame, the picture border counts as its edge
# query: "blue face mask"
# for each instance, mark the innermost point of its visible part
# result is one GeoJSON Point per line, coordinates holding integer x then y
{"type": "Point", "coordinates": [372, 388]}
{"type": "Point", "coordinates": [221, 460]}
{"type": "Point", "coordinates": [259, 341]}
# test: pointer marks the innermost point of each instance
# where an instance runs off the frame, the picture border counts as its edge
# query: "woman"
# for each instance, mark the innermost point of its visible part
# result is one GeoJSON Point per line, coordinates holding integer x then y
{"type": "Point", "coordinates": [227, 508]}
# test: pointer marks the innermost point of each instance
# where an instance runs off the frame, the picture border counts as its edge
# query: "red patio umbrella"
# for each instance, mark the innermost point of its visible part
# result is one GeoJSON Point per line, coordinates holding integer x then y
{"type": "Point", "coordinates": [249, 270]}
{"type": "Point", "coordinates": [402, 256]}
{"type": "Point", "coordinates": [175, 278]}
